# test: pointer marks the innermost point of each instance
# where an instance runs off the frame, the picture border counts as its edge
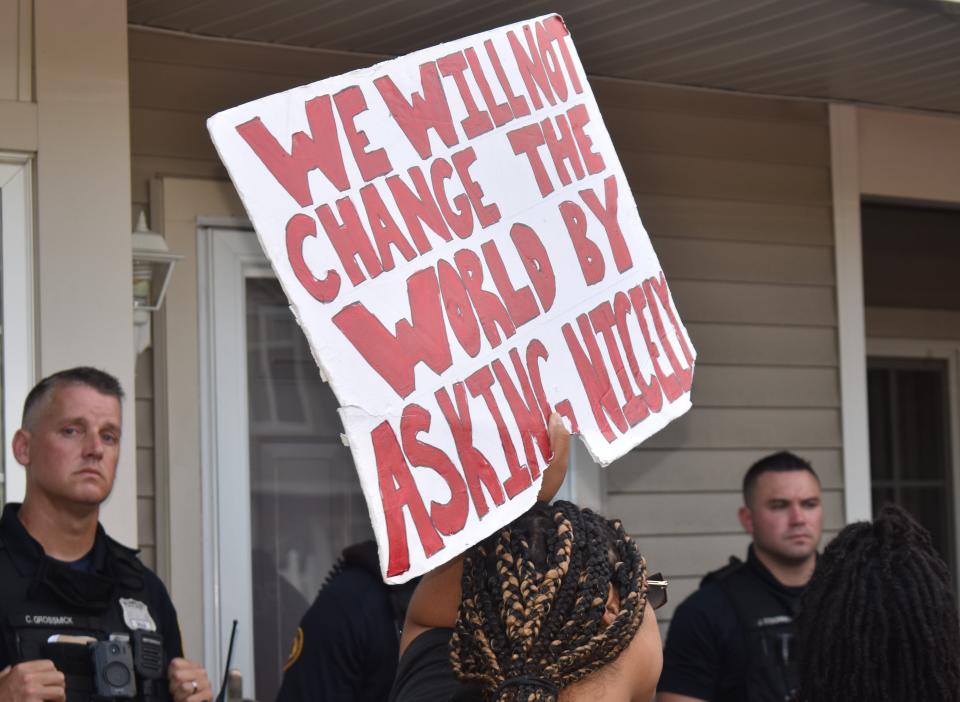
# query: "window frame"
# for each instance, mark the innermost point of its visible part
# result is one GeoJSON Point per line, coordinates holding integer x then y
{"type": "Point", "coordinates": [949, 352]}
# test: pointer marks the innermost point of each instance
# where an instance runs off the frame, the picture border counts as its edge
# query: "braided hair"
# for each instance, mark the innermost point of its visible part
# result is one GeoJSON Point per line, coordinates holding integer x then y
{"type": "Point", "coordinates": [534, 595]}
{"type": "Point", "coordinates": [878, 620]}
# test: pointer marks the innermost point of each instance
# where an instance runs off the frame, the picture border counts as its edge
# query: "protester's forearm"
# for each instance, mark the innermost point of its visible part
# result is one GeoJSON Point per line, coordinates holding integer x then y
{"type": "Point", "coordinates": [436, 600]}
{"type": "Point", "coordinates": [555, 473]}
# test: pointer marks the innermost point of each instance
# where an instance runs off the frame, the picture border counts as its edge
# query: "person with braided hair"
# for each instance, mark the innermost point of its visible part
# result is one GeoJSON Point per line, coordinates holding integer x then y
{"type": "Point", "coordinates": [555, 607]}
{"type": "Point", "coordinates": [878, 620]}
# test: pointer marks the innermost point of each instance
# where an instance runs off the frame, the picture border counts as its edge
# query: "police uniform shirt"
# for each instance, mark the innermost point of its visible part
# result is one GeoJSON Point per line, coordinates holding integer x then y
{"type": "Point", "coordinates": [346, 647]}
{"type": "Point", "coordinates": [27, 599]}
{"type": "Point", "coordinates": [706, 653]}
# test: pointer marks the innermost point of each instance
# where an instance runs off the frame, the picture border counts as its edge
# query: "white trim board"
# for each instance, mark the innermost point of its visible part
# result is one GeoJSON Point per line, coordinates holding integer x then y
{"type": "Point", "coordinates": [845, 172]}
{"type": "Point", "coordinates": [225, 258]}
{"type": "Point", "coordinates": [17, 298]}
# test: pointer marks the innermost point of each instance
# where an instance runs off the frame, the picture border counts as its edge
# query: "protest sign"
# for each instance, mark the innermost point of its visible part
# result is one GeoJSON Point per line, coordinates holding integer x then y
{"type": "Point", "coordinates": [459, 243]}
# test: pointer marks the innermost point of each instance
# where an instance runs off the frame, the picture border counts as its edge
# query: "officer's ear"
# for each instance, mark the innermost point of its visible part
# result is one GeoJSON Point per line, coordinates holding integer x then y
{"type": "Point", "coordinates": [21, 447]}
{"type": "Point", "coordinates": [746, 519]}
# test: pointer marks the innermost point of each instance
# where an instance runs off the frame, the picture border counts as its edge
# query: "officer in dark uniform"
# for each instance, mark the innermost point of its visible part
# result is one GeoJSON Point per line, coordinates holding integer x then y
{"type": "Point", "coordinates": [733, 639]}
{"type": "Point", "coordinates": [348, 642]}
{"type": "Point", "coordinates": [80, 617]}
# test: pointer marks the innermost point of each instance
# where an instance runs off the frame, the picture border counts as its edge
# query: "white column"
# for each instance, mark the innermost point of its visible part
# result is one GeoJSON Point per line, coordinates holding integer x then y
{"type": "Point", "coordinates": [85, 313]}
{"type": "Point", "coordinates": [845, 167]}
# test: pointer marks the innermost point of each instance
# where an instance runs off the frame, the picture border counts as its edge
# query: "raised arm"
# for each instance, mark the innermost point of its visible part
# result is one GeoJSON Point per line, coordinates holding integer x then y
{"type": "Point", "coordinates": [436, 600]}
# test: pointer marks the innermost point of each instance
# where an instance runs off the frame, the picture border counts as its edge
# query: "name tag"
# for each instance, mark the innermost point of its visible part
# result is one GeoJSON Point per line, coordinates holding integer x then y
{"type": "Point", "coordinates": [52, 621]}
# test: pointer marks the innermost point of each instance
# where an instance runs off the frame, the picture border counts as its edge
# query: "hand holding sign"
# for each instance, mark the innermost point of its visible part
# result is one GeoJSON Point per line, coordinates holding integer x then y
{"type": "Point", "coordinates": [458, 242]}
{"type": "Point", "coordinates": [437, 598]}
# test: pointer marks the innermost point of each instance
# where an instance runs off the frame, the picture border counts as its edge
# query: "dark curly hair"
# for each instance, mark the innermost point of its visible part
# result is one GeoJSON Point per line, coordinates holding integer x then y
{"type": "Point", "coordinates": [534, 595]}
{"type": "Point", "coordinates": [878, 620]}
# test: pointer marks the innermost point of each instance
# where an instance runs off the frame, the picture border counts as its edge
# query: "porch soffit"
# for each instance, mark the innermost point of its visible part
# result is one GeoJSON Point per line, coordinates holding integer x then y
{"type": "Point", "coordinates": [900, 53]}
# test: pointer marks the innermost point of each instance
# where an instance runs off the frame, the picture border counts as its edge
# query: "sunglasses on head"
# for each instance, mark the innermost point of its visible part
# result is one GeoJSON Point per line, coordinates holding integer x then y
{"type": "Point", "coordinates": [657, 590]}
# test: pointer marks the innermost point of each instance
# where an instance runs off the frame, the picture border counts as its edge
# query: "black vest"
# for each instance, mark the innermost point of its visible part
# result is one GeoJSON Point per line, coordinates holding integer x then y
{"type": "Point", "coordinates": [54, 603]}
{"type": "Point", "coordinates": [766, 617]}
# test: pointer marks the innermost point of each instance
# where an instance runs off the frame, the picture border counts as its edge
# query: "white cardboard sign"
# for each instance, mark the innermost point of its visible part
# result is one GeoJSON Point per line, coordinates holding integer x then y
{"type": "Point", "coordinates": [459, 243]}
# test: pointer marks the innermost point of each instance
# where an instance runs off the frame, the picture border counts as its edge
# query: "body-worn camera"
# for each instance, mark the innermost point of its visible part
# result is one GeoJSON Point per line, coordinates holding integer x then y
{"type": "Point", "coordinates": [113, 667]}
{"type": "Point", "coordinates": [118, 661]}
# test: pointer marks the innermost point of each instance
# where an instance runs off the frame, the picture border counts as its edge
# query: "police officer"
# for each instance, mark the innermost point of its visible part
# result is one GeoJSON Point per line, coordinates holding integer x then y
{"type": "Point", "coordinates": [732, 640]}
{"type": "Point", "coordinates": [348, 642]}
{"type": "Point", "coordinates": [80, 617]}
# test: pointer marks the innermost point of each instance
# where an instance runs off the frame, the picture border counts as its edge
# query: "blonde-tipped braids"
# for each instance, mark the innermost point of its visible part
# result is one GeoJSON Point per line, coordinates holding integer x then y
{"type": "Point", "coordinates": [534, 595]}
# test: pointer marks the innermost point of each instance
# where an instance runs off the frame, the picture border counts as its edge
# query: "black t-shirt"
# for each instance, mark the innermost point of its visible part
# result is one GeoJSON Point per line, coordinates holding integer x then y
{"type": "Point", "coordinates": [425, 673]}
{"type": "Point", "coordinates": [705, 656]}
{"type": "Point", "coordinates": [346, 647]}
{"type": "Point", "coordinates": [21, 555]}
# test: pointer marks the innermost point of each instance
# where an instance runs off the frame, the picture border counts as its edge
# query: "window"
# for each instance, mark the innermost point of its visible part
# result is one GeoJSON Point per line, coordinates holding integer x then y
{"type": "Point", "coordinates": [910, 460]}
{"type": "Point", "coordinates": [909, 257]}
{"type": "Point", "coordinates": [306, 505]}
{"type": "Point", "coordinates": [912, 295]}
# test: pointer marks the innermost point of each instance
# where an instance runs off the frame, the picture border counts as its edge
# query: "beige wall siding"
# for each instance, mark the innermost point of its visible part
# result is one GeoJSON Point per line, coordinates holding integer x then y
{"type": "Point", "coordinates": [907, 155]}
{"type": "Point", "coordinates": [177, 82]}
{"type": "Point", "coordinates": [735, 193]}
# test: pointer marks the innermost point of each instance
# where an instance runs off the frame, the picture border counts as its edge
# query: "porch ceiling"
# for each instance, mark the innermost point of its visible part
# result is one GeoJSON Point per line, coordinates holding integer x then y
{"type": "Point", "coordinates": [903, 53]}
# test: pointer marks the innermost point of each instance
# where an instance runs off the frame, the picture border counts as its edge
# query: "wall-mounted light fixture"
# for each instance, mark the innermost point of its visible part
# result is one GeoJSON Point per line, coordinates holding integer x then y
{"type": "Point", "coordinates": [152, 265]}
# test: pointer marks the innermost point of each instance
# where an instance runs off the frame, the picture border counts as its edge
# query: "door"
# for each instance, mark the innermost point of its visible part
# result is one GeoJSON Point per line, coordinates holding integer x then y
{"type": "Point", "coordinates": [285, 499]}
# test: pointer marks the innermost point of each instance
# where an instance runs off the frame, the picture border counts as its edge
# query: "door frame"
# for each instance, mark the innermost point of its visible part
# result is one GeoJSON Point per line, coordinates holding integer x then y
{"type": "Point", "coordinates": [17, 299]}
{"type": "Point", "coordinates": [227, 256]}
{"type": "Point", "coordinates": [943, 350]}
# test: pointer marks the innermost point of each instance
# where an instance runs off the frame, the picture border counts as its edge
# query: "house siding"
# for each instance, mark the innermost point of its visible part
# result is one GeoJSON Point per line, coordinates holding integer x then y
{"type": "Point", "coordinates": [177, 82]}
{"type": "Point", "coordinates": [735, 193]}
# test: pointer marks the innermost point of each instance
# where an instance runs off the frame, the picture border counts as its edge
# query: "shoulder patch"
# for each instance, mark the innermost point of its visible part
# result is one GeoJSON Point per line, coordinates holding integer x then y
{"type": "Point", "coordinates": [296, 648]}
